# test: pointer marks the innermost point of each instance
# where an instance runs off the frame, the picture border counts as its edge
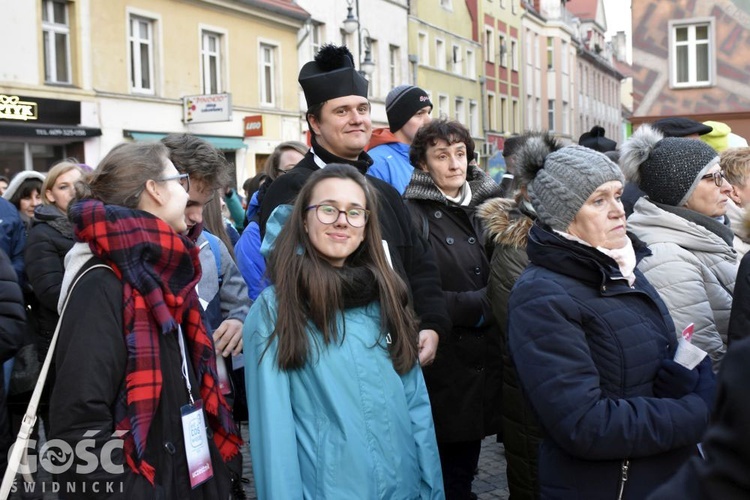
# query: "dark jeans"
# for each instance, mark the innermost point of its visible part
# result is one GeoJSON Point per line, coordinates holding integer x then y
{"type": "Point", "coordinates": [459, 461]}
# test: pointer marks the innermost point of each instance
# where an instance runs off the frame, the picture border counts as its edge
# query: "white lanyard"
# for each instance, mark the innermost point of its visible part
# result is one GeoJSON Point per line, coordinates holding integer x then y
{"type": "Point", "coordinates": [184, 363]}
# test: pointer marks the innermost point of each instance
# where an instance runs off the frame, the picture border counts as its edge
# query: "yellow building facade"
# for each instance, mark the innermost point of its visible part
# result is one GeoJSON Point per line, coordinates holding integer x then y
{"type": "Point", "coordinates": [444, 58]}
{"type": "Point", "coordinates": [139, 69]}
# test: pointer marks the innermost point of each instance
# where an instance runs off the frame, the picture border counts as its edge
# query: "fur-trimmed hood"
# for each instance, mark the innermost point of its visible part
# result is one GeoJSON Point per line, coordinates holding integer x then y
{"type": "Point", "coordinates": [505, 223]}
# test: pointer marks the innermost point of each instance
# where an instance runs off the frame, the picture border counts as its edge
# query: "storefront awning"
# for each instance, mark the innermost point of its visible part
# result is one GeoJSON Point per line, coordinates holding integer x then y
{"type": "Point", "coordinates": [47, 131]}
{"type": "Point", "coordinates": [220, 142]}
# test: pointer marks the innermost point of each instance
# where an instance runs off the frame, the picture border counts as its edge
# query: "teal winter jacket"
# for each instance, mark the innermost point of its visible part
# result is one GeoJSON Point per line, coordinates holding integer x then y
{"type": "Point", "coordinates": [346, 425]}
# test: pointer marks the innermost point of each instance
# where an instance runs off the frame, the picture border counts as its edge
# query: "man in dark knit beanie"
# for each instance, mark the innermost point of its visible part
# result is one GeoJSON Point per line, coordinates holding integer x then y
{"type": "Point", "coordinates": [408, 108]}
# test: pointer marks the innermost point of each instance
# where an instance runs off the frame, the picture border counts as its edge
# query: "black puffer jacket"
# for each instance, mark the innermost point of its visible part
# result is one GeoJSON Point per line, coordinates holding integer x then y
{"type": "Point", "coordinates": [12, 330]}
{"type": "Point", "coordinates": [508, 226]}
{"type": "Point", "coordinates": [49, 240]}
{"type": "Point", "coordinates": [464, 382]}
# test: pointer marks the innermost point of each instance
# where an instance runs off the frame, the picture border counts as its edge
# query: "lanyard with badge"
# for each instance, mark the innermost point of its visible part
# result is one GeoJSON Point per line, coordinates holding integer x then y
{"type": "Point", "coordinates": [194, 429]}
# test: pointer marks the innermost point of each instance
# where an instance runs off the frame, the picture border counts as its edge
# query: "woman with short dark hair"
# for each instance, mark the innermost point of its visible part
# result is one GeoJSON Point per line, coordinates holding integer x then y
{"type": "Point", "coordinates": [465, 381]}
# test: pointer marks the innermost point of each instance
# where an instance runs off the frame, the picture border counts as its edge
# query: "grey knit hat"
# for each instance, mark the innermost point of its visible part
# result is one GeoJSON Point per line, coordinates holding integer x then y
{"type": "Point", "coordinates": [564, 182]}
{"type": "Point", "coordinates": [667, 169]}
{"type": "Point", "coordinates": [402, 103]}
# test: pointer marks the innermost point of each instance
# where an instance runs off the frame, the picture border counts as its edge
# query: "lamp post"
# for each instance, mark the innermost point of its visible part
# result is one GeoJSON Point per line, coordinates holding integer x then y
{"type": "Point", "coordinates": [352, 24]}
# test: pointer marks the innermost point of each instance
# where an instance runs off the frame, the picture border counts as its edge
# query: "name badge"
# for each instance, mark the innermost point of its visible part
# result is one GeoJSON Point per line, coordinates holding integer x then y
{"type": "Point", "coordinates": [196, 444]}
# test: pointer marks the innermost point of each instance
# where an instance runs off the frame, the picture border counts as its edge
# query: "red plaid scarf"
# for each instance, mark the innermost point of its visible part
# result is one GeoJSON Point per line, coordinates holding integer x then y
{"type": "Point", "coordinates": [159, 270]}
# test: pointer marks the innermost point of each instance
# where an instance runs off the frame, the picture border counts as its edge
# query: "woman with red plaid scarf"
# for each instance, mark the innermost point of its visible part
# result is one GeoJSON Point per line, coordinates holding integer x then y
{"type": "Point", "coordinates": [136, 398]}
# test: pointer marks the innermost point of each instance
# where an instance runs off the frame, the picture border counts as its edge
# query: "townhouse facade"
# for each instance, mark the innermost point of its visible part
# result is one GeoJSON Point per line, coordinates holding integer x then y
{"type": "Point", "coordinates": [689, 60]}
{"type": "Point", "coordinates": [599, 99]}
{"type": "Point", "coordinates": [376, 33]}
{"type": "Point", "coordinates": [85, 75]}
{"type": "Point", "coordinates": [500, 30]}
{"type": "Point", "coordinates": [445, 57]}
{"type": "Point", "coordinates": [102, 72]}
{"type": "Point", "coordinates": [550, 48]}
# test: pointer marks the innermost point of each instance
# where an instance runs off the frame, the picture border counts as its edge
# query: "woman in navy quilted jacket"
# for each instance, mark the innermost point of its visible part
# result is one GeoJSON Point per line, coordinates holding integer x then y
{"type": "Point", "coordinates": [592, 341]}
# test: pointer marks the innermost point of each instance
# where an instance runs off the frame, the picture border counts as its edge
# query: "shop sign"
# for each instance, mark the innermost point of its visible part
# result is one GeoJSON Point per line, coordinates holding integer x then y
{"type": "Point", "coordinates": [253, 126]}
{"type": "Point", "coordinates": [13, 108]}
{"type": "Point", "coordinates": [207, 108]}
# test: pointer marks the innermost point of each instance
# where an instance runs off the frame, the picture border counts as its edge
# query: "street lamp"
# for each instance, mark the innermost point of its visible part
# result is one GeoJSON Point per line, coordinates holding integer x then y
{"type": "Point", "coordinates": [350, 25]}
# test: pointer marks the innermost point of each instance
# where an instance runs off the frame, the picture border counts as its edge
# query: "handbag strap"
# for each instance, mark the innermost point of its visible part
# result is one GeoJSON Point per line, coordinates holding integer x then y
{"type": "Point", "coordinates": [29, 419]}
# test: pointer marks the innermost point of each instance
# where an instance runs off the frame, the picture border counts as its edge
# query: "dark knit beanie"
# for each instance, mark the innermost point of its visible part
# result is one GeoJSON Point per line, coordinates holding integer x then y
{"type": "Point", "coordinates": [566, 180]}
{"type": "Point", "coordinates": [402, 103]}
{"type": "Point", "coordinates": [667, 169]}
{"type": "Point", "coordinates": [331, 75]}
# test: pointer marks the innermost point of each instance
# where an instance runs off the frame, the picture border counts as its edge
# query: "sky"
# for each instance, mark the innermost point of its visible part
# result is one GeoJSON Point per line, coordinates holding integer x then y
{"type": "Point", "coordinates": [618, 18]}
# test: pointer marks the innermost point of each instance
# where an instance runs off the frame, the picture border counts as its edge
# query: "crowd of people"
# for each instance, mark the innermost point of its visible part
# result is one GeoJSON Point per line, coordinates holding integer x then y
{"type": "Point", "coordinates": [380, 305]}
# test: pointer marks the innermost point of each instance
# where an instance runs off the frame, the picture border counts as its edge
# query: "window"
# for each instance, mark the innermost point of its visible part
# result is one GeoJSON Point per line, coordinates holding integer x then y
{"type": "Point", "coordinates": [211, 61]}
{"type": "Point", "coordinates": [267, 74]}
{"type": "Point", "coordinates": [514, 54]}
{"type": "Point", "coordinates": [440, 54]}
{"type": "Point", "coordinates": [471, 64]}
{"type": "Point", "coordinates": [551, 114]}
{"type": "Point", "coordinates": [460, 111]}
{"type": "Point", "coordinates": [424, 49]}
{"type": "Point", "coordinates": [316, 37]}
{"type": "Point", "coordinates": [550, 53]}
{"type": "Point", "coordinates": [503, 114]}
{"type": "Point", "coordinates": [491, 111]}
{"type": "Point", "coordinates": [564, 57]}
{"type": "Point", "coordinates": [503, 51]}
{"type": "Point", "coordinates": [691, 53]}
{"type": "Point", "coordinates": [56, 36]}
{"type": "Point", "coordinates": [456, 61]}
{"type": "Point", "coordinates": [473, 118]}
{"type": "Point", "coordinates": [489, 45]}
{"type": "Point", "coordinates": [566, 118]}
{"type": "Point", "coordinates": [393, 60]}
{"type": "Point", "coordinates": [443, 111]}
{"type": "Point", "coordinates": [446, 4]}
{"type": "Point", "coordinates": [141, 55]}
{"type": "Point", "coordinates": [374, 88]}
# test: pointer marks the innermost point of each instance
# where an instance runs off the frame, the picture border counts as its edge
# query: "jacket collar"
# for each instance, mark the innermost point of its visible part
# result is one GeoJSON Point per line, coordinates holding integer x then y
{"type": "Point", "coordinates": [552, 251]}
{"type": "Point", "coordinates": [323, 157]}
{"type": "Point", "coordinates": [422, 187]}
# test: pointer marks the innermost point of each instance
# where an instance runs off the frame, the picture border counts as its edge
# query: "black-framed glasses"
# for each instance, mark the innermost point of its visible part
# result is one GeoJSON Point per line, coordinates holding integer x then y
{"type": "Point", "coordinates": [183, 179]}
{"type": "Point", "coordinates": [718, 177]}
{"type": "Point", "coordinates": [327, 214]}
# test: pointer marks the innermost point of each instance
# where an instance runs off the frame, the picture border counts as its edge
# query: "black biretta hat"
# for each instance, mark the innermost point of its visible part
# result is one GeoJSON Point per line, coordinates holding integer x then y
{"type": "Point", "coordinates": [676, 126]}
{"type": "Point", "coordinates": [331, 75]}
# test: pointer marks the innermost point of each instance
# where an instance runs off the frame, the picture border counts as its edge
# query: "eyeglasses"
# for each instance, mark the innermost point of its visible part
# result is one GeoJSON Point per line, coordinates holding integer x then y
{"type": "Point", "coordinates": [326, 214]}
{"type": "Point", "coordinates": [718, 177]}
{"type": "Point", "coordinates": [184, 180]}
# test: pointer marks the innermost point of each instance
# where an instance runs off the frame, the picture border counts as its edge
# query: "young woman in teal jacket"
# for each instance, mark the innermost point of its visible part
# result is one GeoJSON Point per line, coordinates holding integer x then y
{"type": "Point", "coordinates": [338, 405]}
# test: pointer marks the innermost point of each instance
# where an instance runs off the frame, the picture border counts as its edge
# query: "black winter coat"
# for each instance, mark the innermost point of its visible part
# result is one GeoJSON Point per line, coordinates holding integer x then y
{"type": "Point", "coordinates": [723, 475]}
{"type": "Point", "coordinates": [12, 333]}
{"type": "Point", "coordinates": [412, 257]}
{"type": "Point", "coordinates": [50, 238]}
{"type": "Point", "coordinates": [91, 361]}
{"type": "Point", "coordinates": [587, 347]}
{"type": "Point", "coordinates": [465, 381]}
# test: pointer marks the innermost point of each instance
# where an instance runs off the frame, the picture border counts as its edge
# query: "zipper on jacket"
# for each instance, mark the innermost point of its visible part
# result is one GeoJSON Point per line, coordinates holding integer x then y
{"type": "Point", "coordinates": [623, 478]}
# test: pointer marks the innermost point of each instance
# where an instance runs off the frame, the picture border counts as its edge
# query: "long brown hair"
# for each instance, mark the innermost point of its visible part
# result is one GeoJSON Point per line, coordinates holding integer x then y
{"type": "Point", "coordinates": [308, 288]}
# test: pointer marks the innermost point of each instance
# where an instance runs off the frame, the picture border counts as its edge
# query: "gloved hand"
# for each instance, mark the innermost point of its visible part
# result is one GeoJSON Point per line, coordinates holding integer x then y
{"type": "Point", "coordinates": [674, 380]}
{"type": "Point", "coordinates": [706, 387]}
